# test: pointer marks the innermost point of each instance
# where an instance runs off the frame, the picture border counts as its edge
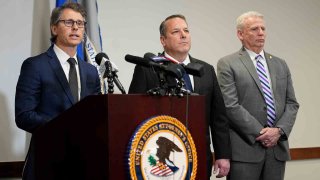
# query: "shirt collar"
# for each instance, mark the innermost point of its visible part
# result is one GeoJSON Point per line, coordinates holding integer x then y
{"type": "Point", "coordinates": [63, 56]}
{"type": "Point", "coordinates": [185, 62]}
{"type": "Point", "coordinates": [253, 54]}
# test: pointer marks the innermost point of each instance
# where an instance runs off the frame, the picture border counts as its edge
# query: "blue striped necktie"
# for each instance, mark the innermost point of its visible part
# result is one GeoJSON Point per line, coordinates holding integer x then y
{"type": "Point", "coordinates": [267, 92]}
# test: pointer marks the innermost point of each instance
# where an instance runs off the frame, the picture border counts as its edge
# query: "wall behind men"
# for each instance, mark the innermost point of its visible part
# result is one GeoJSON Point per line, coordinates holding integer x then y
{"type": "Point", "coordinates": [15, 35]}
{"type": "Point", "coordinates": [131, 27]}
{"type": "Point", "coordinates": [24, 32]}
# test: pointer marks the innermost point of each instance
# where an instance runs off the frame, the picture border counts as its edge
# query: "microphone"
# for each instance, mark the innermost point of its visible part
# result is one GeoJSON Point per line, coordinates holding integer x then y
{"type": "Point", "coordinates": [155, 58]}
{"type": "Point", "coordinates": [143, 62]}
{"type": "Point", "coordinates": [101, 58]}
{"type": "Point", "coordinates": [111, 68]}
{"type": "Point", "coordinates": [175, 70]}
{"type": "Point", "coordinates": [194, 69]}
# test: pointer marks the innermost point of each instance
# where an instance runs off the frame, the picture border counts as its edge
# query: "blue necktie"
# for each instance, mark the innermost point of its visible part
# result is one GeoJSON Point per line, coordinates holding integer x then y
{"type": "Point", "coordinates": [267, 92]}
{"type": "Point", "coordinates": [187, 82]}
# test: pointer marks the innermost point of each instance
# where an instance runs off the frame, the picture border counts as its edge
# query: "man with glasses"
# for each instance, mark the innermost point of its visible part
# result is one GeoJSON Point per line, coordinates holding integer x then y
{"type": "Point", "coordinates": [55, 80]}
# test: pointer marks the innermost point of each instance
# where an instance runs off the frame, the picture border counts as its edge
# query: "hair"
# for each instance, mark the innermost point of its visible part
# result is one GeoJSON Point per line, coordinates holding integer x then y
{"type": "Point", "coordinates": [163, 27]}
{"type": "Point", "coordinates": [246, 15]}
{"type": "Point", "coordinates": [56, 14]}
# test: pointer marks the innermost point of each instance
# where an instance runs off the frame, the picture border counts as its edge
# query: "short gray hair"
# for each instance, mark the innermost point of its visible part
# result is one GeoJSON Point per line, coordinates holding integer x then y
{"type": "Point", "coordinates": [244, 16]}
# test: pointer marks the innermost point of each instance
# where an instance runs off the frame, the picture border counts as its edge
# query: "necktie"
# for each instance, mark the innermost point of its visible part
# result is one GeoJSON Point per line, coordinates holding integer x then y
{"type": "Point", "coordinates": [187, 82]}
{"type": "Point", "coordinates": [73, 80]}
{"type": "Point", "coordinates": [267, 92]}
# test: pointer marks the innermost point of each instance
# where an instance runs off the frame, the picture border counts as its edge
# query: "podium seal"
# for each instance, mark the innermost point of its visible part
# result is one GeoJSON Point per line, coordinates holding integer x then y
{"type": "Point", "coordinates": [162, 148]}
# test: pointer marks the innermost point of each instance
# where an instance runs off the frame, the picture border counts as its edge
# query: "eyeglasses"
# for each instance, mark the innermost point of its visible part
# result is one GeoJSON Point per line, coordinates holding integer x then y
{"type": "Point", "coordinates": [70, 23]}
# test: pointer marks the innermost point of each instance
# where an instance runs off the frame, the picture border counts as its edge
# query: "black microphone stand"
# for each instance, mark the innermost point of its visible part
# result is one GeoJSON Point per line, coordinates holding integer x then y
{"type": "Point", "coordinates": [163, 87]}
{"type": "Point", "coordinates": [171, 83]}
{"type": "Point", "coordinates": [117, 82]}
{"type": "Point", "coordinates": [109, 76]}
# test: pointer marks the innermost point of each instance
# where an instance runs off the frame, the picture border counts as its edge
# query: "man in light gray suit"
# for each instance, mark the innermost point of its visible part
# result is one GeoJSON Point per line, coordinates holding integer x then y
{"type": "Point", "coordinates": [261, 104]}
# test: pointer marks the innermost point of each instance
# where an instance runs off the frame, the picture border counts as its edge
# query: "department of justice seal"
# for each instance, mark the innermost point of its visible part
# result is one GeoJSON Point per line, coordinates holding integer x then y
{"type": "Point", "coordinates": [162, 148]}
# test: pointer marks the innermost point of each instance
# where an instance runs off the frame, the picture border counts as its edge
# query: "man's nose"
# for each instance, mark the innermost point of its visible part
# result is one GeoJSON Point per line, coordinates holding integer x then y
{"type": "Point", "coordinates": [75, 26]}
{"type": "Point", "coordinates": [261, 31]}
{"type": "Point", "coordinates": [183, 34]}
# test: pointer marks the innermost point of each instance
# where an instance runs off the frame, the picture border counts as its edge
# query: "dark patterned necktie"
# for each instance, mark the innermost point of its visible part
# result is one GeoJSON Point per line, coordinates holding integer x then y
{"type": "Point", "coordinates": [73, 80]}
{"type": "Point", "coordinates": [267, 92]}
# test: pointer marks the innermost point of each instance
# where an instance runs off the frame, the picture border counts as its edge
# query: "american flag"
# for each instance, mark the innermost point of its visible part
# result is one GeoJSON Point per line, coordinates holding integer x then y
{"type": "Point", "coordinates": [161, 170]}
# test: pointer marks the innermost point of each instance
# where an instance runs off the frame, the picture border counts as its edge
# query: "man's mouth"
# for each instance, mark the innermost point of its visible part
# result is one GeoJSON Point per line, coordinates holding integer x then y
{"type": "Point", "coordinates": [74, 36]}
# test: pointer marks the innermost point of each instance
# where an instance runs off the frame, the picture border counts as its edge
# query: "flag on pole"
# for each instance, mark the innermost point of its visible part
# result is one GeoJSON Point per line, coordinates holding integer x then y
{"type": "Point", "coordinates": [92, 43]}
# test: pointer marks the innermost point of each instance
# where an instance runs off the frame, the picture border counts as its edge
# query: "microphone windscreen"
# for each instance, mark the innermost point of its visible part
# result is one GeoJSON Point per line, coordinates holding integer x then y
{"type": "Point", "coordinates": [99, 57]}
{"type": "Point", "coordinates": [137, 60]}
{"type": "Point", "coordinates": [175, 70]}
{"type": "Point", "coordinates": [149, 55]}
{"type": "Point", "coordinates": [195, 69]}
{"type": "Point", "coordinates": [155, 58]}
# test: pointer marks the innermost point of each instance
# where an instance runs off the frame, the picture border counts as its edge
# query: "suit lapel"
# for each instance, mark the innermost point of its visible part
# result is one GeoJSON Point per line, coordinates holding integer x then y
{"type": "Point", "coordinates": [59, 73]}
{"type": "Point", "coordinates": [247, 62]}
{"type": "Point", "coordinates": [196, 82]}
{"type": "Point", "coordinates": [196, 79]}
{"type": "Point", "coordinates": [271, 67]}
{"type": "Point", "coordinates": [83, 78]}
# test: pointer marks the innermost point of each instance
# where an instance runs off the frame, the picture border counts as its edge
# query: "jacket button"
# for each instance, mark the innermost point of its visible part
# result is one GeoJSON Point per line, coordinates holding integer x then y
{"type": "Point", "coordinates": [264, 108]}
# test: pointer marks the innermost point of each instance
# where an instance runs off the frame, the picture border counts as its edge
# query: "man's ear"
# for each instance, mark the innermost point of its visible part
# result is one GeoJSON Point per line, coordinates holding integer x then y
{"type": "Point", "coordinates": [240, 35]}
{"type": "Point", "coordinates": [53, 30]}
{"type": "Point", "coordinates": [162, 40]}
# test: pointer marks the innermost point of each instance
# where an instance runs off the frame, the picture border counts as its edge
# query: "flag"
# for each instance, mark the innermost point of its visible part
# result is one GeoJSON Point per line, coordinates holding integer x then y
{"type": "Point", "coordinates": [161, 170]}
{"type": "Point", "coordinates": [92, 42]}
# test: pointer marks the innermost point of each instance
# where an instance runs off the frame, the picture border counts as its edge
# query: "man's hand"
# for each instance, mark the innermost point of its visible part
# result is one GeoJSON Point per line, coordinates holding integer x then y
{"type": "Point", "coordinates": [269, 137]}
{"type": "Point", "coordinates": [222, 167]}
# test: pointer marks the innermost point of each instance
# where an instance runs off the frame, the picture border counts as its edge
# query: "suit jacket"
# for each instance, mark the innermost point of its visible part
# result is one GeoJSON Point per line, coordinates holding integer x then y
{"type": "Point", "coordinates": [246, 107]}
{"type": "Point", "coordinates": [145, 79]}
{"type": "Point", "coordinates": [43, 90]}
{"type": "Point", "coordinates": [43, 93]}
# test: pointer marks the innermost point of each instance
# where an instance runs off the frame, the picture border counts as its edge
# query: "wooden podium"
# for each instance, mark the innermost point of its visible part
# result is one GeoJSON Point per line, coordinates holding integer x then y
{"type": "Point", "coordinates": [90, 140]}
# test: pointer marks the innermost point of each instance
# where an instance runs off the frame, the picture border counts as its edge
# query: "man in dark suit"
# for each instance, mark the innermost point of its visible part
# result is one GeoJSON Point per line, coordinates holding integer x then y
{"type": "Point", "coordinates": [176, 41]}
{"type": "Point", "coordinates": [43, 90]}
{"type": "Point", "coordinates": [260, 102]}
